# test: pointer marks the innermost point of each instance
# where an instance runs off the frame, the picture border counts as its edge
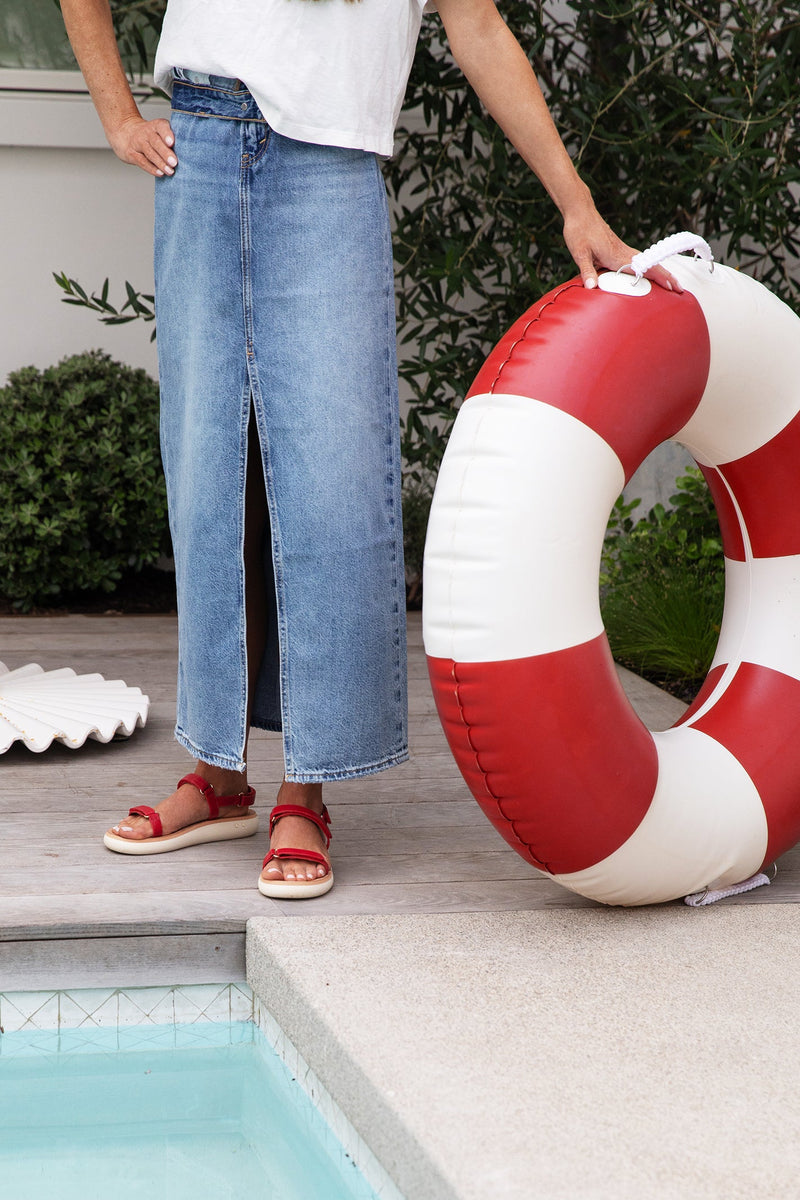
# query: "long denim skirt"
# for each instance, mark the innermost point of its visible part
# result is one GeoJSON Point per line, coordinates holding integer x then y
{"type": "Point", "coordinates": [274, 294]}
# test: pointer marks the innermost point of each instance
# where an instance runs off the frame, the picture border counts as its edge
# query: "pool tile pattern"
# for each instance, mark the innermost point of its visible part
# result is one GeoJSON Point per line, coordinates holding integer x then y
{"type": "Point", "coordinates": [106, 1008]}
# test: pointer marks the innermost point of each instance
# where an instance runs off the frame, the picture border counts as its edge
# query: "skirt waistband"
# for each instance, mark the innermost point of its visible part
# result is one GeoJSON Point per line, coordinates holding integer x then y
{"type": "Point", "coordinates": [207, 95]}
{"type": "Point", "coordinates": [217, 82]}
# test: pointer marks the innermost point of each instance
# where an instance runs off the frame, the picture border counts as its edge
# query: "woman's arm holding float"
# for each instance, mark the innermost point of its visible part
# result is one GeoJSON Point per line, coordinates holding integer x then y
{"type": "Point", "coordinates": [497, 68]}
{"type": "Point", "coordinates": [145, 144]}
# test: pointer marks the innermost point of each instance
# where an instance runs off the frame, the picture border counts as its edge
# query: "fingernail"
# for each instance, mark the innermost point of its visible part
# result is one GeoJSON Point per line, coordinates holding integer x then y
{"type": "Point", "coordinates": [173, 162]}
{"type": "Point", "coordinates": [169, 139]}
{"type": "Point", "coordinates": [590, 283]}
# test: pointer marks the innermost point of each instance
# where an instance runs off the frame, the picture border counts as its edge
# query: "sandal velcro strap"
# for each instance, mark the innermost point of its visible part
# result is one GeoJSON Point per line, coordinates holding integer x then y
{"type": "Point", "coordinates": [214, 802]}
{"type": "Point", "coordinates": [152, 817]}
{"type": "Point", "coordinates": [300, 855]}
{"type": "Point", "coordinates": [297, 810]}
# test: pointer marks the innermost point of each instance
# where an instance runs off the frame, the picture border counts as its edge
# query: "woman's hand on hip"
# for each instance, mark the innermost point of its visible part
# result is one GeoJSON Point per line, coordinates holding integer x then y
{"type": "Point", "coordinates": [145, 144]}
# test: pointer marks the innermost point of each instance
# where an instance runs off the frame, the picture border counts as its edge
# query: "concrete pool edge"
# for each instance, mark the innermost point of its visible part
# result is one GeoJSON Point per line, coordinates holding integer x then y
{"type": "Point", "coordinates": [334, 1067]}
{"type": "Point", "coordinates": [604, 1053]}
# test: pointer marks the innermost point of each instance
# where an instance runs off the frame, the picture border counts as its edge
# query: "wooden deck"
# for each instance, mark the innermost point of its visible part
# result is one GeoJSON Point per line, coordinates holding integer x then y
{"type": "Point", "coordinates": [73, 914]}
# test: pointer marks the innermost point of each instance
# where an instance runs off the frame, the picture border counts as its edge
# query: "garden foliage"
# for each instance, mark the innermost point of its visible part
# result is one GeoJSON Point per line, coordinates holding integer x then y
{"type": "Point", "coordinates": [663, 584]}
{"type": "Point", "coordinates": [82, 495]}
{"type": "Point", "coordinates": [679, 116]}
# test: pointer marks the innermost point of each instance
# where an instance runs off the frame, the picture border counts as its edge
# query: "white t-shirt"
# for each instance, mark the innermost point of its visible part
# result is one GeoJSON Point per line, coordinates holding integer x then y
{"type": "Point", "coordinates": [323, 71]}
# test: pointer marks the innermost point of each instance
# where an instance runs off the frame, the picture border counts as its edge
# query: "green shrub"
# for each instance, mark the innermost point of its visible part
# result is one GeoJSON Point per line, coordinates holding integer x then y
{"type": "Point", "coordinates": [663, 584]}
{"type": "Point", "coordinates": [82, 495]}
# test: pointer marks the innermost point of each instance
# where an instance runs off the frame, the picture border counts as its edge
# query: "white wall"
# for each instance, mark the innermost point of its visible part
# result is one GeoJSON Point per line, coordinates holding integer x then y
{"type": "Point", "coordinates": [66, 204]}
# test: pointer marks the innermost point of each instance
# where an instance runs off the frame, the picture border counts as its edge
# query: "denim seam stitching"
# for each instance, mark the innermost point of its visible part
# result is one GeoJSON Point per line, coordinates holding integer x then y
{"type": "Point", "coordinates": [190, 112]}
{"type": "Point", "coordinates": [211, 87]}
{"type": "Point", "coordinates": [392, 423]}
{"type": "Point", "coordinates": [243, 663]}
{"type": "Point", "coordinates": [255, 387]}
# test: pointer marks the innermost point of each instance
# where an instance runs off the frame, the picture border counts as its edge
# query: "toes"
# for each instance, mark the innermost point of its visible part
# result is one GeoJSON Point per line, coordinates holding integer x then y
{"type": "Point", "coordinates": [125, 831]}
{"type": "Point", "coordinates": [295, 872]}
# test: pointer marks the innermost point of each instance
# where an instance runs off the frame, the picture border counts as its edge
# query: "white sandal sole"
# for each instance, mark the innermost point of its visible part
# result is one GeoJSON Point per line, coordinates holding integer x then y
{"type": "Point", "coordinates": [224, 829]}
{"type": "Point", "coordinates": [282, 889]}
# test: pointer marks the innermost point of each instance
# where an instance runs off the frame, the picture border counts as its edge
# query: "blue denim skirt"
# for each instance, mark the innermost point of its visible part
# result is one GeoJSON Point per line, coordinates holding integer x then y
{"type": "Point", "coordinates": [274, 294]}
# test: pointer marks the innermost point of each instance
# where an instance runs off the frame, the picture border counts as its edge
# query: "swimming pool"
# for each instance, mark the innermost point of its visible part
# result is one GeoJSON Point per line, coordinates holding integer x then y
{"type": "Point", "coordinates": [178, 1111]}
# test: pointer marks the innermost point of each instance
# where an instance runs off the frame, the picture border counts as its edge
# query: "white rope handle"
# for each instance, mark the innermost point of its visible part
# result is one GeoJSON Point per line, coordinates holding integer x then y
{"type": "Point", "coordinates": [676, 243]}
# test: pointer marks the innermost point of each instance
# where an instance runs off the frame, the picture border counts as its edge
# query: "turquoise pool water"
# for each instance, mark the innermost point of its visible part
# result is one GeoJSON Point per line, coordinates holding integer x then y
{"type": "Point", "coordinates": [197, 1112]}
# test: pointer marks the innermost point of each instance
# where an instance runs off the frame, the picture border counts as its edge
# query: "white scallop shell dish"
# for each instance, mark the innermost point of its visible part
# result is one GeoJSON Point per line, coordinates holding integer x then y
{"type": "Point", "coordinates": [38, 707]}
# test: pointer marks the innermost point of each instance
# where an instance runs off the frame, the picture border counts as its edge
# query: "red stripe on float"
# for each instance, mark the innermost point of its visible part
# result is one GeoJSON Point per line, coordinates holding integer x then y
{"type": "Point", "coordinates": [709, 683]}
{"type": "Point", "coordinates": [729, 524]}
{"type": "Point", "coordinates": [757, 719]}
{"type": "Point", "coordinates": [632, 369]}
{"type": "Point", "coordinates": [761, 483]}
{"type": "Point", "coordinates": [551, 750]}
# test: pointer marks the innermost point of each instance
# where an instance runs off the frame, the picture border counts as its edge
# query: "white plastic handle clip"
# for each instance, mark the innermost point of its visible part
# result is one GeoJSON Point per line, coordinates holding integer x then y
{"type": "Point", "coordinates": [676, 243]}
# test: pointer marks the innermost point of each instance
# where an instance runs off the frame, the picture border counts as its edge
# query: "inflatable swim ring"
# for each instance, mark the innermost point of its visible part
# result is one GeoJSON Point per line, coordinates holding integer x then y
{"type": "Point", "coordinates": [565, 409]}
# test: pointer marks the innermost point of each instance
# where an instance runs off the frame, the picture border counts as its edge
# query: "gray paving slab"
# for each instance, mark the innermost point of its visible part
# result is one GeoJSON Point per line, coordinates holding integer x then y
{"type": "Point", "coordinates": [658, 709]}
{"type": "Point", "coordinates": [590, 1054]}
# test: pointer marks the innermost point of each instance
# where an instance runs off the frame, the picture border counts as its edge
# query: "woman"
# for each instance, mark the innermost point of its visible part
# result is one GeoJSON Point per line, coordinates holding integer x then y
{"type": "Point", "coordinates": [278, 381]}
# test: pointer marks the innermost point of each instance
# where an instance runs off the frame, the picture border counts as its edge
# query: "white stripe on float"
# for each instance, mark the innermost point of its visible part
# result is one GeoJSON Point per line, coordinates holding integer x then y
{"type": "Point", "coordinates": [706, 826]}
{"type": "Point", "coordinates": [753, 387]}
{"type": "Point", "coordinates": [512, 555]}
{"type": "Point", "coordinates": [736, 613]}
{"type": "Point", "coordinates": [762, 615]}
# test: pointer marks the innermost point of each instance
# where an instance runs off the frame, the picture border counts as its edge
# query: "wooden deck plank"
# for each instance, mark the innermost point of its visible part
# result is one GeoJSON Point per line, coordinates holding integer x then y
{"type": "Point", "coordinates": [167, 873]}
{"type": "Point", "coordinates": [103, 771]}
{"type": "Point", "coordinates": [53, 833]}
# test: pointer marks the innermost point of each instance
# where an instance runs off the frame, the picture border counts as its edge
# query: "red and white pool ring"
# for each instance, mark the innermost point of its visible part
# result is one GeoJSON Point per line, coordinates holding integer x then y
{"type": "Point", "coordinates": [565, 409]}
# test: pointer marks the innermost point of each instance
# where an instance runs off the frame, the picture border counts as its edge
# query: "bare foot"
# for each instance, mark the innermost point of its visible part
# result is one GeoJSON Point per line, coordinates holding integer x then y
{"type": "Point", "coordinates": [296, 832]}
{"type": "Point", "coordinates": [187, 805]}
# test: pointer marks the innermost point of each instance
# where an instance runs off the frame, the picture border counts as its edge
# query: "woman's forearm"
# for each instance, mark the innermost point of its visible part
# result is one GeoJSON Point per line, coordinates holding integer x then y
{"type": "Point", "coordinates": [91, 34]}
{"type": "Point", "coordinates": [496, 66]}
{"type": "Point", "coordinates": [145, 144]}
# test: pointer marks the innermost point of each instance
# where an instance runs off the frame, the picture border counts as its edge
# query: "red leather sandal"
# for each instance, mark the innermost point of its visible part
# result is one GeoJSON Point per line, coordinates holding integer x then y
{"type": "Point", "coordinates": [296, 889]}
{"type": "Point", "coordinates": [215, 829]}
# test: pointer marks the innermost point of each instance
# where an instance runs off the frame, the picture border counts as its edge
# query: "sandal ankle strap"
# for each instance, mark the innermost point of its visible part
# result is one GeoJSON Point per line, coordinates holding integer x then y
{"type": "Point", "coordinates": [214, 802]}
{"type": "Point", "coordinates": [297, 810]}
